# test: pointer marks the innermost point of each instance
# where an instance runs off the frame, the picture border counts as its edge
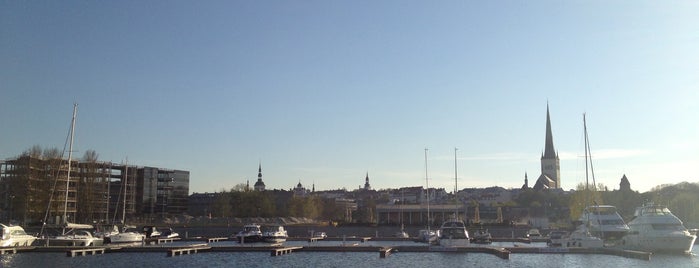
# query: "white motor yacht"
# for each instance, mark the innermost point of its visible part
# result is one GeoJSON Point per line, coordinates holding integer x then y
{"type": "Point", "coordinates": [654, 228]}
{"type": "Point", "coordinates": [250, 233]}
{"type": "Point", "coordinates": [14, 236]}
{"type": "Point", "coordinates": [274, 234]}
{"type": "Point", "coordinates": [453, 233]}
{"type": "Point", "coordinates": [127, 236]}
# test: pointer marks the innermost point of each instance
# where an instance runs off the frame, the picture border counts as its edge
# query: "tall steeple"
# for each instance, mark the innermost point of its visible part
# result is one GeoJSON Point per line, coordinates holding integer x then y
{"type": "Point", "coordinates": [550, 163]}
{"type": "Point", "coordinates": [549, 152]}
{"type": "Point", "coordinates": [366, 182]}
{"type": "Point", "coordinates": [259, 185]}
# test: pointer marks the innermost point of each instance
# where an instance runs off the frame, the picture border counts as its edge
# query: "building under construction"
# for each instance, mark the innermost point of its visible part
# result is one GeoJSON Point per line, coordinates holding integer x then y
{"type": "Point", "coordinates": [35, 190]}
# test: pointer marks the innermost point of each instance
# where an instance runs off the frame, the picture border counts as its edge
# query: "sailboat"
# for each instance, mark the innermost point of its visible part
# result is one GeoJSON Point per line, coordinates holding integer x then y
{"type": "Point", "coordinates": [125, 235]}
{"type": "Point", "coordinates": [453, 232]}
{"type": "Point", "coordinates": [582, 237]}
{"type": "Point", "coordinates": [402, 233]}
{"type": "Point", "coordinates": [73, 234]}
{"type": "Point", "coordinates": [427, 235]}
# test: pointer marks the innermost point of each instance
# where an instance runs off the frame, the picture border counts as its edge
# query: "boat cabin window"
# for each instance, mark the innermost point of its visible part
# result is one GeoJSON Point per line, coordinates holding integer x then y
{"type": "Point", "coordinates": [454, 233]}
{"type": "Point", "coordinates": [251, 229]}
{"type": "Point", "coordinates": [668, 227]}
{"type": "Point", "coordinates": [18, 232]}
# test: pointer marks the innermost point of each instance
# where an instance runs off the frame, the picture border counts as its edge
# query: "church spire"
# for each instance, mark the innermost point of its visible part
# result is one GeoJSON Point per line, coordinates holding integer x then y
{"type": "Point", "coordinates": [259, 185]}
{"type": "Point", "coordinates": [366, 182]}
{"type": "Point", "coordinates": [550, 163]}
{"type": "Point", "coordinates": [549, 151]}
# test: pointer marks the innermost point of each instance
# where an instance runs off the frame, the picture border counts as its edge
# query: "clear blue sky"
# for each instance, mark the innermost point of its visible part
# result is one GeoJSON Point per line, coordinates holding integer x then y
{"type": "Point", "coordinates": [325, 91]}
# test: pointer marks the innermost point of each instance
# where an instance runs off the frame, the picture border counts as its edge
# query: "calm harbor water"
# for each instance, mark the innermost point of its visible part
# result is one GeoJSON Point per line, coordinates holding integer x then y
{"type": "Point", "coordinates": [340, 259]}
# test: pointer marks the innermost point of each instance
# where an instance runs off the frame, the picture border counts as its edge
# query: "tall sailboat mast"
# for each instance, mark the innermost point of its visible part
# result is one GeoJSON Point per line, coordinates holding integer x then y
{"type": "Point", "coordinates": [456, 187]}
{"type": "Point", "coordinates": [588, 158]}
{"type": "Point", "coordinates": [427, 183]}
{"type": "Point", "coordinates": [126, 178]}
{"type": "Point", "coordinates": [456, 173]}
{"type": "Point", "coordinates": [70, 157]}
{"type": "Point", "coordinates": [587, 181]}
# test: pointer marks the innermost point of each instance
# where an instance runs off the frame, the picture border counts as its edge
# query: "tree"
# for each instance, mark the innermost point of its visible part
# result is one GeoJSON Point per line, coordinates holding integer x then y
{"type": "Point", "coordinates": [221, 208]}
{"type": "Point", "coordinates": [583, 197]}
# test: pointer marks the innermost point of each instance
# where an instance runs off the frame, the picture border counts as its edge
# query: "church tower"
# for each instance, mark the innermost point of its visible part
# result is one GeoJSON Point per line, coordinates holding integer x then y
{"type": "Point", "coordinates": [366, 182]}
{"type": "Point", "coordinates": [550, 163]}
{"type": "Point", "coordinates": [259, 185]}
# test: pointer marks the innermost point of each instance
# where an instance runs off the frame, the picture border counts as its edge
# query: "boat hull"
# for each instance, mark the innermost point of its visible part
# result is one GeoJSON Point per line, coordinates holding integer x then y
{"type": "Point", "coordinates": [660, 244]}
{"type": "Point", "coordinates": [274, 239]}
{"type": "Point", "coordinates": [86, 242]}
{"type": "Point", "coordinates": [126, 238]}
{"type": "Point", "coordinates": [454, 242]}
{"type": "Point", "coordinates": [249, 239]}
{"type": "Point", "coordinates": [17, 242]}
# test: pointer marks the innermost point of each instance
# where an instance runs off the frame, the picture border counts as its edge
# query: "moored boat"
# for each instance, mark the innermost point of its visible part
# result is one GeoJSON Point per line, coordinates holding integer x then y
{"type": "Point", "coordinates": [482, 236]}
{"type": "Point", "coordinates": [169, 233]}
{"type": "Point", "coordinates": [582, 238]}
{"type": "Point", "coordinates": [274, 234]}
{"type": "Point", "coordinates": [604, 221]}
{"type": "Point", "coordinates": [75, 235]}
{"type": "Point", "coordinates": [250, 233]}
{"type": "Point", "coordinates": [453, 233]}
{"type": "Point", "coordinates": [15, 236]}
{"type": "Point", "coordinates": [557, 238]}
{"type": "Point", "coordinates": [654, 228]}
{"type": "Point", "coordinates": [127, 235]}
{"type": "Point", "coordinates": [402, 234]}
{"type": "Point", "coordinates": [151, 231]}
{"type": "Point", "coordinates": [427, 236]}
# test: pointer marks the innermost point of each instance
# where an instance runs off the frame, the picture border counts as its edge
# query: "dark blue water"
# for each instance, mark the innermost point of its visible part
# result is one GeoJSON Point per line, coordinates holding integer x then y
{"type": "Point", "coordinates": [339, 259]}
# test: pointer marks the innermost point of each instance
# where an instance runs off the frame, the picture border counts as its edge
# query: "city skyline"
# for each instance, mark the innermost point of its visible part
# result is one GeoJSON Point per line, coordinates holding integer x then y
{"type": "Point", "coordinates": [324, 93]}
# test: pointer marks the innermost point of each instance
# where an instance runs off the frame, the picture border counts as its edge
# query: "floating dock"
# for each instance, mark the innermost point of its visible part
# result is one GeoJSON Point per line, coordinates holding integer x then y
{"type": "Point", "coordinates": [85, 251]}
{"type": "Point", "coordinates": [4, 251]}
{"type": "Point", "coordinates": [192, 249]}
{"type": "Point", "coordinates": [284, 250]}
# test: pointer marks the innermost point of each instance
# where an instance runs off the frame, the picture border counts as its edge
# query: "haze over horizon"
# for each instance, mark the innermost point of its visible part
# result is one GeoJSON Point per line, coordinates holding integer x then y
{"type": "Point", "coordinates": [326, 92]}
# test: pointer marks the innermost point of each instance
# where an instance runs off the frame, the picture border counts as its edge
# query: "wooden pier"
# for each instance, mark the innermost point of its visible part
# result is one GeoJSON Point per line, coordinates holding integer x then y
{"type": "Point", "coordinates": [85, 251]}
{"type": "Point", "coordinates": [157, 241]}
{"type": "Point", "coordinates": [215, 239]}
{"type": "Point", "coordinates": [282, 251]}
{"type": "Point", "coordinates": [193, 249]}
{"type": "Point", "coordinates": [4, 251]}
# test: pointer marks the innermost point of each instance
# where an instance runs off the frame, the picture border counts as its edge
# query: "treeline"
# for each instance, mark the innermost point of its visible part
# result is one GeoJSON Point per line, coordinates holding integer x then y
{"type": "Point", "coordinates": [240, 202]}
